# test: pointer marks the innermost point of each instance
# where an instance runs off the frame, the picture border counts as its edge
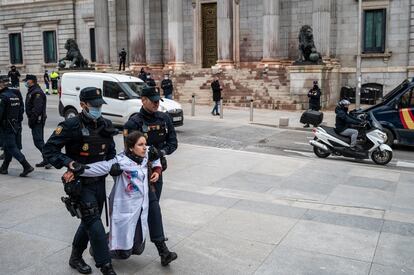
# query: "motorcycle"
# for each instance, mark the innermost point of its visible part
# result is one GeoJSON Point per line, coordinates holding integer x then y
{"type": "Point", "coordinates": [371, 142]}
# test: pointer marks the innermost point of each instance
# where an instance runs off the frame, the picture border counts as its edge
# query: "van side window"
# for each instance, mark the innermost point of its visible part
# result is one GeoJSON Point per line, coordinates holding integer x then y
{"type": "Point", "coordinates": [111, 89]}
{"type": "Point", "coordinates": [407, 100]}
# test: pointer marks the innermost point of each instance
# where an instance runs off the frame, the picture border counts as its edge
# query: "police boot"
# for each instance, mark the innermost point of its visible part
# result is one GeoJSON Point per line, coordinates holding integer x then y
{"type": "Point", "coordinates": [166, 255]}
{"type": "Point", "coordinates": [107, 269]}
{"type": "Point", "coordinates": [4, 168]}
{"type": "Point", "coordinates": [76, 261]}
{"type": "Point", "coordinates": [27, 168]}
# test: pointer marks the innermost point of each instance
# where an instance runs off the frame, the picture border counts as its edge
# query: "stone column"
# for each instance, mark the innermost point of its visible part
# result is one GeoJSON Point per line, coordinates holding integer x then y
{"type": "Point", "coordinates": [136, 34]}
{"type": "Point", "coordinates": [225, 33]}
{"type": "Point", "coordinates": [102, 34]}
{"type": "Point", "coordinates": [175, 33]}
{"type": "Point", "coordinates": [271, 15]}
{"type": "Point", "coordinates": [321, 25]}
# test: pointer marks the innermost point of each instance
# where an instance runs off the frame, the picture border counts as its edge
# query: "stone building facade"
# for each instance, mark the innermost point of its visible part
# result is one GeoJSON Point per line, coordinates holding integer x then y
{"type": "Point", "coordinates": [253, 42]}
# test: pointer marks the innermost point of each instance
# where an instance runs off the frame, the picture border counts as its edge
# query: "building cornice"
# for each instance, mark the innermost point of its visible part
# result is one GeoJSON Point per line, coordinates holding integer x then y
{"type": "Point", "coordinates": [10, 6]}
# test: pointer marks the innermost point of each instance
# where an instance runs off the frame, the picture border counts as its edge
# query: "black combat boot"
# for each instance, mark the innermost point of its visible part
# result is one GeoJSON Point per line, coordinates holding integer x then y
{"type": "Point", "coordinates": [76, 261]}
{"type": "Point", "coordinates": [166, 255]}
{"type": "Point", "coordinates": [27, 168]}
{"type": "Point", "coordinates": [107, 269]}
{"type": "Point", "coordinates": [4, 168]}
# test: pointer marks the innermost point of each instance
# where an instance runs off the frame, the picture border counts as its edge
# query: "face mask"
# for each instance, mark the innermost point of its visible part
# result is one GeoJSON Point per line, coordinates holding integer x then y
{"type": "Point", "coordinates": [26, 85]}
{"type": "Point", "coordinates": [95, 112]}
{"type": "Point", "coordinates": [166, 77]}
{"type": "Point", "coordinates": [346, 109]}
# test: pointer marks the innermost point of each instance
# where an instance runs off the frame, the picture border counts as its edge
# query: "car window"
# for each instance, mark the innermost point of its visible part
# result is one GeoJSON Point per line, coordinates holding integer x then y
{"type": "Point", "coordinates": [407, 100]}
{"type": "Point", "coordinates": [111, 89]}
{"type": "Point", "coordinates": [134, 88]}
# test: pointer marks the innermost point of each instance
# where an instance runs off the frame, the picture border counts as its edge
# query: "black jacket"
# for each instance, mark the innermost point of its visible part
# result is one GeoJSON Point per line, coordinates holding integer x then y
{"type": "Point", "coordinates": [122, 55]}
{"type": "Point", "coordinates": [314, 95]}
{"type": "Point", "coordinates": [35, 106]}
{"type": "Point", "coordinates": [343, 120]}
{"type": "Point", "coordinates": [167, 86]}
{"type": "Point", "coordinates": [11, 109]}
{"type": "Point", "coordinates": [14, 76]}
{"type": "Point", "coordinates": [69, 134]}
{"type": "Point", "coordinates": [136, 122]}
{"type": "Point", "coordinates": [215, 86]}
{"type": "Point", "coordinates": [151, 82]}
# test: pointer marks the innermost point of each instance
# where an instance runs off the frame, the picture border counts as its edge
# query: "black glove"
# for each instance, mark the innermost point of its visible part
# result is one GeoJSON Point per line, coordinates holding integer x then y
{"type": "Point", "coordinates": [78, 168]}
{"type": "Point", "coordinates": [116, 170]}
{"type": "Point", "coordinates": [153, 153]}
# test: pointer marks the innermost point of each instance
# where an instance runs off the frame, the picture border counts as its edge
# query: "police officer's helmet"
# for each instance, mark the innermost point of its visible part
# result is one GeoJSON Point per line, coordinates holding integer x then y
{"type": "Point", "coordinates": [151, 93]}
{"type": "Point", "coordinates": [92, 95]}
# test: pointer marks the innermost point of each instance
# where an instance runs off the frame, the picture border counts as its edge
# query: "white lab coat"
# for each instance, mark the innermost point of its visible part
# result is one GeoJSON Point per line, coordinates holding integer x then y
{"type": "Point", "coordinates": [129, 199]}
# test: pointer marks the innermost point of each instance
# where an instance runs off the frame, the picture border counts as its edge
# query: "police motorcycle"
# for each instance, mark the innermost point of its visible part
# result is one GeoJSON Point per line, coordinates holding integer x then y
{"type": "Point", "coordinates": [371, 142]}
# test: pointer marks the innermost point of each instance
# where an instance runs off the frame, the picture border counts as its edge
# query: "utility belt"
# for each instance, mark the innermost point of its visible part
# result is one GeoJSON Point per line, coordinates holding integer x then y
{"type": "Point", "coordinates": [85, 180]}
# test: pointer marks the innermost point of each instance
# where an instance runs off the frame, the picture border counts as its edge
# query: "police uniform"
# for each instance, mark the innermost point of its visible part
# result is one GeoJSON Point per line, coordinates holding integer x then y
{"type": "Point", "coordinates": [36, 115]}
{"type": "Point", "coordinates": [11, 116]}
{"type": "Point", "coordinates": [86, 140]}
{"type": "Point", "coordinates": [159, 131]}
{"type": "Point", "coordinates": [122, 59]}
{"type": "Point", "coordinates": [14, 77]}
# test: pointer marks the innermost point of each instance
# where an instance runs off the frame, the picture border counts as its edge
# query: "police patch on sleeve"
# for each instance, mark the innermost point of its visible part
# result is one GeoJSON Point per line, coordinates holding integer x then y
{"type": "Point", "coordinates": [58, 130]}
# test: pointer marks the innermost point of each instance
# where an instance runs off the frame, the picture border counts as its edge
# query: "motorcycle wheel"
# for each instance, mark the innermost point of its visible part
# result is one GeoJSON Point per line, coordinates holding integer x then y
{"type": "Point", "coordinates": [319, 152]}
{"type": "Point", "coordinates": [381, 157]}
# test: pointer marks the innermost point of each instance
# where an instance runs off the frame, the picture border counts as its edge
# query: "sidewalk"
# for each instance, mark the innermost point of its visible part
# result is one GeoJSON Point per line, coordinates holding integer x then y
{"type": "Point", "coordinates": [241, 115]}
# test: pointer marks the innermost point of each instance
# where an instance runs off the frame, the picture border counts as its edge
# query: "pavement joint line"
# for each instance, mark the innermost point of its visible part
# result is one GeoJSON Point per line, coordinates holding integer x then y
{"type": "Point", "coordinates": [376, 246]}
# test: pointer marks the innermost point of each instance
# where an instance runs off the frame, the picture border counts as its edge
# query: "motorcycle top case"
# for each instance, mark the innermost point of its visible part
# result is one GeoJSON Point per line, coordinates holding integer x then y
{"type": "Point", "coordinates": [311, 117]}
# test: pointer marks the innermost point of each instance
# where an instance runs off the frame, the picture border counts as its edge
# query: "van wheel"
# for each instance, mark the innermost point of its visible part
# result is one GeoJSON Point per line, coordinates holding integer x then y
{"type": "Point", "coordinates": [69, 113]}
{"type": "Point", "coordinates": [390, 137]}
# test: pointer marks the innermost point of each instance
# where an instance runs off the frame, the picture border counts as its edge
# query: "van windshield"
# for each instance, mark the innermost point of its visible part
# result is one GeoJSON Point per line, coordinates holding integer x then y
{"type": "Point", "coordinates": [133, 88]}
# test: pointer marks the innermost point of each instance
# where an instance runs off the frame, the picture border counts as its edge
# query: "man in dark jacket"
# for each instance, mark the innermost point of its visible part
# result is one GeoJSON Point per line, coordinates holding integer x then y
{"type": "Point", "coordinates": [36, 114]}
{"type": "Point", "coordinates": [217, 88]}
{"type": "Point", "coordinates": [150, 81]}
{"type": "Point", "coordinates": [343, 122]}
{"type": "Point", "coordinates": [14, 76]}
{"type": "Point", "coordinates": [167, 87]}
{"type": "Point", "coordinates": [46, 79]}
{"type": "Point", "coordinates": [143, 74]}
{"type": "Point", "coordinates": [314, 95]}
{"type": "Point", "coordinates": [11, 117]}
{"type": "Point", "coordinates": [122, 59]}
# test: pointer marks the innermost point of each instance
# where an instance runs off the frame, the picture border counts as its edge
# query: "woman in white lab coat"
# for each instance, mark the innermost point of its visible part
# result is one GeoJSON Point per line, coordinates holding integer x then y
{"type": "Point", "coordinates": [128, 200]}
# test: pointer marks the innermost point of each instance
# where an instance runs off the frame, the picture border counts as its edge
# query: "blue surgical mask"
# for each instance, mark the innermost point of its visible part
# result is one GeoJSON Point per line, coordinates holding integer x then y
{"type": "Point", "coordinates": [26, 85]}
{"type": "Point", "coordinates": [95, 112]}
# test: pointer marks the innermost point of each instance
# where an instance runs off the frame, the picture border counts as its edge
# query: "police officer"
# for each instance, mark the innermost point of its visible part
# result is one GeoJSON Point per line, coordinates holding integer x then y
{"type": "Point", "coordinates": [150, 81]}
{"type": "Point", "coordinates": [314, 95]}
{"type": "Point", "coordinates": [36, 114]}
{"type": "Point", "coordinates": [11, 117]}
{"type": "Point", "coordinates": [87, 138]}
{"type": "Point", "coordinates": [167, 87]}
{"type": "Point", "coordinates": [122, 59]}
{"type": "Point", "coordinates": [46, 79]}
{"type": "Point", "coordinates": [160, 133]}
{"type": "Point", "coordinates": [14, 76]}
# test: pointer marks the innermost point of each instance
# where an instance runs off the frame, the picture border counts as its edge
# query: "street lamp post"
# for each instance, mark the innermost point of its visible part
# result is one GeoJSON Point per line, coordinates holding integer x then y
{"type": "Point", "coordinates": [358, 65]}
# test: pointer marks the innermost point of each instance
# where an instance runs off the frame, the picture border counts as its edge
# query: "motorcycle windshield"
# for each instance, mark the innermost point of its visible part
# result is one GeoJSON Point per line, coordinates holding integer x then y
{"type": "Point", "coordinates": [374, 122]}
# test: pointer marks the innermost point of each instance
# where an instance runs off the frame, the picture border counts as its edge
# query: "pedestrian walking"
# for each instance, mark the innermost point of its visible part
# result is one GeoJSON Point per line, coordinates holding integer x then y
{"type": "Point", "coordinates": [11, 117]}
{"type": "Point", "coordinates": [14, 76]}
{"type": "Point", "coordinates": [159, 130]}
{"type": "Point", "coordinates": [167, 87]}
{"type": "Point", "coordinates": [122, 59]}
{"type": "Point", "coordinates": [314, 96]}
{"type": "Point", "coordinates": [217, 88]}
{"type": "Point", "coordinates": [54, 77]}
{"type": "Point", "coordinates": [36, 114]}
{"type": "Point", "coordinates": [46, 79]}
{"type": "Point", "coordinates": [87, 138]}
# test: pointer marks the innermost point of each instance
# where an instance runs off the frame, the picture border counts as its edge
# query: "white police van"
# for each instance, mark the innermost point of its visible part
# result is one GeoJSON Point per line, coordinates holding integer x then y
{"type": "Point", "coordinates": [121, 93]}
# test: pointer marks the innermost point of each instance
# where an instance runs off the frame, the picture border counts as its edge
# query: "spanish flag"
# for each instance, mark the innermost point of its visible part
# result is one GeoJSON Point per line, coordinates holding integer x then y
{"type": "Point", "coordinates": [407, 118]}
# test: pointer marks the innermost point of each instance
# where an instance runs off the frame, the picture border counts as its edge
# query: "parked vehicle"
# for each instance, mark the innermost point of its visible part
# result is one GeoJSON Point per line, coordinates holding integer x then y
{"type": "Point", "coordinates": [396, 114]}
{"type": "Point", "coordinates": [122, 94]}
{"type": "Point", "coordinates": [371, 142]}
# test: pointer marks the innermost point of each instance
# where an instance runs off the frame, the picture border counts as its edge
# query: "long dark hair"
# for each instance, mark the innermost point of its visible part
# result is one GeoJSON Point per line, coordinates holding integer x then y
{"type": "Point", "coordinates": [131, 139]}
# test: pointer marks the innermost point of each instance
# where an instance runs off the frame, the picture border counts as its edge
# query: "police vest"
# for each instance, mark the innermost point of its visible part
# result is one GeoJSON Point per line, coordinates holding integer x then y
{"type": "Point", "coordinates": [155, 133]}
{"type": "Point", "coordinates": [93, 146]}
{"type": "Point", "coordinates": [13, 106]}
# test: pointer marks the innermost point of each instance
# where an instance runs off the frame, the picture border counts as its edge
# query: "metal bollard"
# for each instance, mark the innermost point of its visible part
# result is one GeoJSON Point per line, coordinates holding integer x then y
{"type": "Point", "coordinates": [251, 110]}
{"type": "Point", "coordinates": [221, 108]}
{"type": "Point", "coordinates": [192, 104]}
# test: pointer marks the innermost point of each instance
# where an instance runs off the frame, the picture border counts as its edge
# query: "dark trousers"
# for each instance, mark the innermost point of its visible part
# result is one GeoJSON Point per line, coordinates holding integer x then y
{"type": "Point", "coordinates": [37, 133]}
{"type": "Point", "coordinates": [121, 62]}
{"type": "Point", "coordinates": [12, 146]}
{"type": "Point", "coordinates": [156, 228]}
{"type": "Point", "coordinates": [15, 83]}
{"type": "Point", "coordinates": [91, 227]}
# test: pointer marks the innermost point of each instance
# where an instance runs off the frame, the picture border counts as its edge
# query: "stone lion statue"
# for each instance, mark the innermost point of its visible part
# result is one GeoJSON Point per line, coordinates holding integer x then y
{"type": "Point", "coordinates": [74, 55]}
{"type": "Point", "coordinates": [307, 49]}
